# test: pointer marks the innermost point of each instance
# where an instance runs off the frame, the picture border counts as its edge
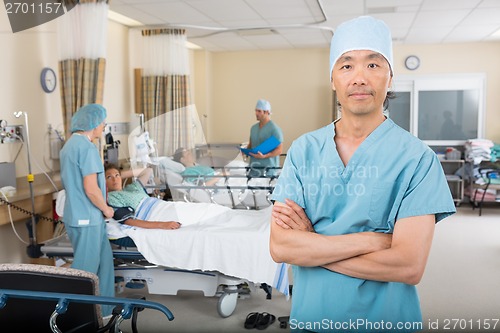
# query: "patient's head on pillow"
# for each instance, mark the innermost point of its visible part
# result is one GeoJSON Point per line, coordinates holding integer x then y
{"type": "Point", "coordinates": [184, 156]}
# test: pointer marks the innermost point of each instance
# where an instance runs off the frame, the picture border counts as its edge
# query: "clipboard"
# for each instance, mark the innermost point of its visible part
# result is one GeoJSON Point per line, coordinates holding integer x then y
{"type": "Point", "coordinates": [265, 147]}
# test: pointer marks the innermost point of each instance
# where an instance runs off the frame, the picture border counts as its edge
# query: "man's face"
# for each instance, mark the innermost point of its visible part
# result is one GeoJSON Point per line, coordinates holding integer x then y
{"type": "Point", "coordinates": [260, 114]}
{"type": "Point", "coordinates": [113, 180]}
{"type": "Point", "coordinates": [361, 80]}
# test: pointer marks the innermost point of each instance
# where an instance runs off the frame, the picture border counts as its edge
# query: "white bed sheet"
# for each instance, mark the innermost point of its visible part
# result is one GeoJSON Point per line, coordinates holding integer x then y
{"type": "Point", "coordinates": [211, 238]}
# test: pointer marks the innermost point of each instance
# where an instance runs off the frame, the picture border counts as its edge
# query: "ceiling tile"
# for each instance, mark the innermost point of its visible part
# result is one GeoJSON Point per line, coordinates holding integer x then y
{"type": "Point", "coordinates": [410, 21]}
{"type": "Point", "coordinates": [440, 18]}
{"type": "Point", "coordinates": [483, 16]}
{"type": "Point", "coordinates": [427, 35]}
{"type": "Point", "coordinates": [221, 10]}
{"type": "Point", "coordinates": [464, 34]}
{"type": "Point", "coordinates": [430, 5]}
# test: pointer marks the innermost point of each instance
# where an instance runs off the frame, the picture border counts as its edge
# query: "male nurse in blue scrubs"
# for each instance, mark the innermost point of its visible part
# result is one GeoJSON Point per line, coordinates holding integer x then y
{"type": "Point", "coordinates": [260, 132]}
{"type": "Point", "coordinates": [357, 201]}
{"type": "Point", "coordinates": [82, 176]}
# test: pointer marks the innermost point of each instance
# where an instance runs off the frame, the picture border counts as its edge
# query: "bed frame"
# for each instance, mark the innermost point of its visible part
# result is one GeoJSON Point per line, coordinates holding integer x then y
{"type": "Point", "coordinates": [133, 271]}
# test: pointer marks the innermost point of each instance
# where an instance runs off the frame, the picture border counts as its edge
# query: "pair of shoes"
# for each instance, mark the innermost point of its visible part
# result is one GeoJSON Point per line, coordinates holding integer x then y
{"type": "Point", "coordinates": [265, 320]}
{"type": "Point", "coordinates": [258, 320]}
{"type": "Point", "coordinates": [251, 320]}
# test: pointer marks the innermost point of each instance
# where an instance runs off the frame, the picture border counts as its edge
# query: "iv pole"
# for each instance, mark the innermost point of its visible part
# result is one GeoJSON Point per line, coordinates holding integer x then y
{"type": "Point", "coordinates": [31, 178]}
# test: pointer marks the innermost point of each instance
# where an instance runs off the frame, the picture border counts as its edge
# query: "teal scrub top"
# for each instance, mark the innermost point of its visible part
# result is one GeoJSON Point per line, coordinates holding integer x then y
{"type": "Point", "coordinates": [198, 170]}
{"type": "Point", "coordinates": [259, 135]}
{"type": "Point", "coordinates": [130, 196]}
{"type": "Point", "coordinates": [80, 158]}
{"type": "Point", "coordinates": [392, 175]}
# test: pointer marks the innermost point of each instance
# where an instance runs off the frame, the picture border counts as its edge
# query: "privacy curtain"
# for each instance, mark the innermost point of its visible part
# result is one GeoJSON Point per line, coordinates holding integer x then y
{"type": "Point", "coordinates": [166, 98]}
{"type": "Point", "coordinates": [82, 56]}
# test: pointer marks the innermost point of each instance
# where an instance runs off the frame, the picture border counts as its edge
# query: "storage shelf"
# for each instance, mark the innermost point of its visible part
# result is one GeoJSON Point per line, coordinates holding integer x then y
{"type": "Point", "coordinates": [450, 167]}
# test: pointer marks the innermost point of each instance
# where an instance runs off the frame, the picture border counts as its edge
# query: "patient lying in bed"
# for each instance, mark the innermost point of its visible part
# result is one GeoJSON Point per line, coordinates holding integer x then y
{"type": "Point", "coordinates": [228, 186]}
{"type": "Point", "coordinates": [212, 237]}
{"type": "Point", "coordinates": [128, 199]}
{"type": "Point", "coordinates": [201, 174]}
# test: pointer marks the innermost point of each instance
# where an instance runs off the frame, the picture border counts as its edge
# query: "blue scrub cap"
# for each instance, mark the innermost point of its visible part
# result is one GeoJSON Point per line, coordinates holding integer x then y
{"type": "Point", "coordinates": [88, 117]}
{"type": "Point", "coordinates": [262, 104]}
{"type": "Point", "coordinates": [362, 33]}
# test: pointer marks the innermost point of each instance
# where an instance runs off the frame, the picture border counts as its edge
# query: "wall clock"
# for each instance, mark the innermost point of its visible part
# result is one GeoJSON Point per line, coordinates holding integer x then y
{"type": "Point", "coordinates": [48, 79]}
{"type": "Point", "coordinates": [412, 62]}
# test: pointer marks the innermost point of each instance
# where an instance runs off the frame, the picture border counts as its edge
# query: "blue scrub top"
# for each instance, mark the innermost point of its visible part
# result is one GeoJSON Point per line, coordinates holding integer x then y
{"type": "Point", "coordinates": [80, 158]}
{"type": "Point", "coordinates": [392, 175]}
{"type": "Point", "coordinates": [259, 135]}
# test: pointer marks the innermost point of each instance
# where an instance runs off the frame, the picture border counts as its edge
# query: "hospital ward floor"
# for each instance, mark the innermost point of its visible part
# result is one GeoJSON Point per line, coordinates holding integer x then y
{"type": "Point", "coordinates": [460, 291]}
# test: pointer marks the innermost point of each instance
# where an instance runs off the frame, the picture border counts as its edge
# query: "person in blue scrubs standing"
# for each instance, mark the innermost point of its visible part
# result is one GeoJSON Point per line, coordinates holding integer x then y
{"type": "Point", "coordinates": [259, 133]}
{"type": "Point", "coordinates": [357, 201]}
{"type": "Point", "coordinates": [82, 176]}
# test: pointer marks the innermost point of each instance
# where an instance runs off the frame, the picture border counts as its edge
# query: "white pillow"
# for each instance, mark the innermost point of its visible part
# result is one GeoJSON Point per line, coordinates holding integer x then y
{"type": "Point", "coordinates": [167, 163]}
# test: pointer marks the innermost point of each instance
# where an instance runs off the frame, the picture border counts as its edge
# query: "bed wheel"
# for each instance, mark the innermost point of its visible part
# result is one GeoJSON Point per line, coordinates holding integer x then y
{"type": "Point", "coordinates": [227, 304]}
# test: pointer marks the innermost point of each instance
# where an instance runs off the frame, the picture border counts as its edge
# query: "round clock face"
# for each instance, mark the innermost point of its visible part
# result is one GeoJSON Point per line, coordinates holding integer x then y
{"type": "Point", "coordinates": [48, 80]}
{"type": "Point", "coordinates": [412, 62]}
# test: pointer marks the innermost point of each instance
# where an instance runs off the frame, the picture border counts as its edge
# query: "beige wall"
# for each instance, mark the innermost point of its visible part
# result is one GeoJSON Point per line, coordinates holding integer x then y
{"type": "Point", "coordinates": [23, 56]}
{"type": "Point", "coordinates": [461, 58]}
{"type": "Point", "coordinates": [226, 86]}
{"type": "Point", "coordinates": [296, 83]}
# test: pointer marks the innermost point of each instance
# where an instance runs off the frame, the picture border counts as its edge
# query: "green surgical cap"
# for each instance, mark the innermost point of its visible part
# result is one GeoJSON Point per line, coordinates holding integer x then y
{"type": "Point", "coordinates": [88, 117]}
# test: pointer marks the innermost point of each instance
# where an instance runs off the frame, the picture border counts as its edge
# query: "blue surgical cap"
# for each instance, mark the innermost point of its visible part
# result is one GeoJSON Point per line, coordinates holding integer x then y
{"type": "Point", "coordinates": [88, 117]}
{"type": "Point", "coordinates": [262, 104]}
{"type": "Point", "coordinates": [362, 33]}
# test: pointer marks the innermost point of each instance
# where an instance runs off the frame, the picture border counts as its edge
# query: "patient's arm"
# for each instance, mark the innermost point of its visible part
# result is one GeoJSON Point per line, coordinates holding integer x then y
{"type": "Point", "coordinates": [298, 244]}
{"type": "Point", "coordinates": [153, 224]}
{"type": "Point", "coordinates": [141, 174]}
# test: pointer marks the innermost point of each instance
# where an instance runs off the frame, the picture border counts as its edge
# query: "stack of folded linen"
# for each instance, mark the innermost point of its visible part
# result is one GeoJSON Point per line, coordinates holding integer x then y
{"type": "Point", "coordinates": [478, 150]}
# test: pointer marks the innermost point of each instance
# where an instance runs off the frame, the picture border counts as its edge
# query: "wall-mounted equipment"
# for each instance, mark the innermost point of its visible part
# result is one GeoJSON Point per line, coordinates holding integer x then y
{"type": "Point", "coordinates": [56, 142]}
{"type": "Point", "coordinates": [10, 134]}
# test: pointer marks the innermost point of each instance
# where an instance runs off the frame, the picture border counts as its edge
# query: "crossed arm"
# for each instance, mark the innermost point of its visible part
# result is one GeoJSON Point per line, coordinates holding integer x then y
{"type": "Point", "coordinates": [400, 257]}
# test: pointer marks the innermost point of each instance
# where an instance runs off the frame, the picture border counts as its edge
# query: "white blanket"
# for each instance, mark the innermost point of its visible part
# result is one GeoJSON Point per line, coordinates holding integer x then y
{"type": "Point", "coordinates": [211, 238]}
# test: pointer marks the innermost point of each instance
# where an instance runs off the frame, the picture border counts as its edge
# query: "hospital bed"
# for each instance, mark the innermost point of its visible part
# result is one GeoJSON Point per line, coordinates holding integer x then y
{"type": "Point", "coordinates": [236, 189]}
{"type": "Point", "coordinates": [220, 251]}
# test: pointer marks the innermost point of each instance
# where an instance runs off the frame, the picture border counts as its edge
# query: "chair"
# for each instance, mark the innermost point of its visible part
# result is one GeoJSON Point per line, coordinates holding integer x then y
{"type": "Point", "coordinates": [33, 297]}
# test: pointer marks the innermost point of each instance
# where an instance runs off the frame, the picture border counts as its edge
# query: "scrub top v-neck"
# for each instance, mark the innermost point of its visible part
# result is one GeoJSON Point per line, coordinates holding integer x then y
{"type": "Point", "coordinates": [392, 175]}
